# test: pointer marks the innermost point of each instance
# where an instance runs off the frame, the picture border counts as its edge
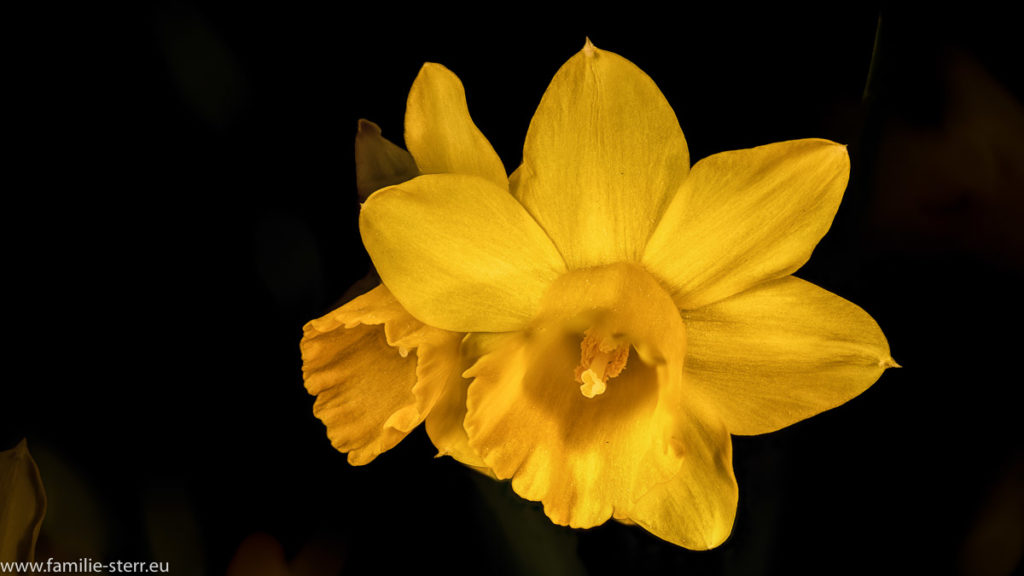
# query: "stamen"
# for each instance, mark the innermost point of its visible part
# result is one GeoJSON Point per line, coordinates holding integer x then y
{"type": "Point", "coordinates": [593, 385]}
{"type": "Point", "coordinates": [601, 358]}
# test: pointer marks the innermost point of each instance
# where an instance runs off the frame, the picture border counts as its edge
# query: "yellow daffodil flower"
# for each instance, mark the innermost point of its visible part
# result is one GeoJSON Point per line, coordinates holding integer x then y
{"type": "Point", "coordinates": [596, 325]}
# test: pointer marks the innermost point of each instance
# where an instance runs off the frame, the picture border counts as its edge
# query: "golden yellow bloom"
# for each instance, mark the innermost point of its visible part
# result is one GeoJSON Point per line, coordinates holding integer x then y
{"type": "Point", "coordinates": [596, 325]}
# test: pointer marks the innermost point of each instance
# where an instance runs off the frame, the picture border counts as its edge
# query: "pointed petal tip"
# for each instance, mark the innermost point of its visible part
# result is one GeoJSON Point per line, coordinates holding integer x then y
{"type": "Point", "coordinates": [432, 71]}
{"type": "Point", "coordinates": [429, 67]}
{"type": "Point", "coordinates": [888, 363]}
{"type": "Point", "coordinates": [365, 126]}
{"type": "Point", "coordinates": [588, 47]}
{"type": "Point", "coordinates": [359, 458]}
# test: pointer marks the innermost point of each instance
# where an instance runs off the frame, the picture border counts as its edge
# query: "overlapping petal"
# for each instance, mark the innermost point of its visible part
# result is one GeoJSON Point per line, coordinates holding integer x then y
{"type": "Point", "coordinates": [697, 507]}
{"type": "Point", "coordinates": [781, 352]}
{"type": "Point", "coordinates": [459, 252]}
{"type": "Point", "coordinates": [444, 423]}
{"type": "Point", "coordinates": [379, 162]}
{"type": "Point", "coordinates": [746, 216]}
{"type": "Point", "coordinates": [583, 457]}
{"type": "Point", "coordinates": [372, 389]}
{"type": "Point", "coordinates": [603, 156]}
{"type": "Point", "coordinates": [439, 132]}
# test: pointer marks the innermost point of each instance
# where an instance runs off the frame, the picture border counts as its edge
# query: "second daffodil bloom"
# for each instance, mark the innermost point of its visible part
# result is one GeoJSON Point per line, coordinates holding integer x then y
{"type": "Point", "coordinates": [596, 325]}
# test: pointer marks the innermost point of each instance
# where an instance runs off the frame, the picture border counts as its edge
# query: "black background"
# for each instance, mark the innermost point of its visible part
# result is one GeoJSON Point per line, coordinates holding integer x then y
{"type": "Point", "coordinates": [182, 200]}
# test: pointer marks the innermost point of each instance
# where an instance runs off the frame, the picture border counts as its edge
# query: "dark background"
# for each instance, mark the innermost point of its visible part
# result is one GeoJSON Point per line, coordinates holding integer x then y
{"type": "Point", "coordinates": [182, 200]}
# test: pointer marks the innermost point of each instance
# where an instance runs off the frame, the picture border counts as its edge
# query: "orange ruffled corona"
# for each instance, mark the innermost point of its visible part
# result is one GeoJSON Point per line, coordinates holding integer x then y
{"type": "Point", "coordinates": [595, 325]}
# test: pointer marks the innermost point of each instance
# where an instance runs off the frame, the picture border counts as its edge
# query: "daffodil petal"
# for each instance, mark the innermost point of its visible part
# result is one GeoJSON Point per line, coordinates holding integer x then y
{"type": "Point", "coordinates": [696, 508]}
{"type": "Point", "coordinates": [583, 457]}
{"type": "Point", "coordinates": [603, 156]}
{"type": "Point", "coordinates": [781, 352]}
{"type": "Point", "coordinates": [746, 216]}
{"type": "Point", "coordinates": [444, 426]}
{"type": "Point", "coordinates": [379, 162]}
{"type": "Point", "coordinates": [444, 423]}
{"type": "Point", "coordinates": [370, 365]}
{"type": "Point", "coordinates": [459, 252]}
{"type": "Point", "coordinates": [440, 133]}
{"type": "Point", "coordinates": [22, 504]}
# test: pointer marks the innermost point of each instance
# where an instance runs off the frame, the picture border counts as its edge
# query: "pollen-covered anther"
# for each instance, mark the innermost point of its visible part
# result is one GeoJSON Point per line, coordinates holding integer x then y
{"type": "Point", "coordinates": [601, 358]}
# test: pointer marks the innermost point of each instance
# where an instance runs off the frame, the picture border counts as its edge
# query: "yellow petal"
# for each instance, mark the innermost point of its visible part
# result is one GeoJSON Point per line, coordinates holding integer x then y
{"type": "Point", "coordinates": [379, 163]}
{"type": "Point", "coordinates": [781, 352]}
{"type": "Point", "coordinates": [444, 423]}
{"type": "Point", "coordinates": [22, 504]}
{"type": "Point", "coordinates": [444, 426]}
{"type": "Point", "coordinates": [747, 216]}
{"type": "Point", "coordinates": [603, 156]}
{"type": "Point", "coordinates": [440, 133]}
{"type": "Point", "coordinates": [459, 252]}
{"type": "Point", "coordinates": [697, 507]}
{"type": "Point", "coordinates": [583, 457]}
{"type": "Point", "coordinates": [370, 365]}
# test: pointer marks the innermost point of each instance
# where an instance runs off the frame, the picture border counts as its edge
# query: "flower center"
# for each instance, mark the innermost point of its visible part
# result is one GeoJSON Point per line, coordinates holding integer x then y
{"type": "Point", "coordinates": [601, 358]}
